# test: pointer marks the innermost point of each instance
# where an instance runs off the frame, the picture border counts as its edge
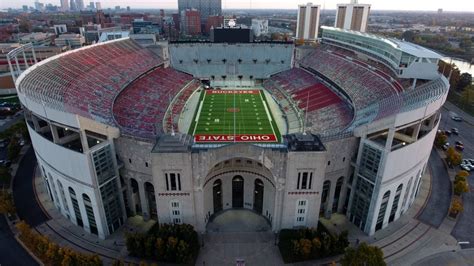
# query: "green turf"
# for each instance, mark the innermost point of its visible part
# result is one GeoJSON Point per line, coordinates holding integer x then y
{"type": "Point", "coordinates": [215, 118]}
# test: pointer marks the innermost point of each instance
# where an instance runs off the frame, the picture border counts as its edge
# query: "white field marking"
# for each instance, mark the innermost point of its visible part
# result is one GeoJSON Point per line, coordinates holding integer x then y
{"type": "Point", "coordinates": [268, 113]}
{"type": "Point", "coordinates": [199, 114]}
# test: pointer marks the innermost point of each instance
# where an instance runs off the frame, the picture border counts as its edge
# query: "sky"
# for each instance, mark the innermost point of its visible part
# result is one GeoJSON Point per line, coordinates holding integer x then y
{"type": "Point", "coordinates": [432, 5]}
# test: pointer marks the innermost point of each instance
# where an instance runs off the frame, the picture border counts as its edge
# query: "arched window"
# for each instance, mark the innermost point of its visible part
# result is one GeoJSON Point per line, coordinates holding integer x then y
{"type": "Point", "coordinates": [217, 195]}
{"type": "Point", "coordinates": [337, 193]}
{"type": "Point", "coordinates": [258, 196]}
{"type": "Point", "coordinates": [237, 192]}
{"type": "Point", "coordinates": [63, 196]}
{"type": "Point", "coordinates": [393, 212]}
{"type": "Point", "coordinates": [407, 192]}
{"type": "Point", "coordinates": [383, 208]}
{"type": "Point", "coordinates": [90, 213]}
{"type": "Point", "coordinates": [75, 206]}
{"type": "Point", "coordinates": [150, 196]}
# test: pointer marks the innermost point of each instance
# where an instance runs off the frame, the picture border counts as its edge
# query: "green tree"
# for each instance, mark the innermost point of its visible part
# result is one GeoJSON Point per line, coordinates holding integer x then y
{"type": "Point", "coordinates": [363, 255]}
{"type": "Point", "coordinates": [464, 80]}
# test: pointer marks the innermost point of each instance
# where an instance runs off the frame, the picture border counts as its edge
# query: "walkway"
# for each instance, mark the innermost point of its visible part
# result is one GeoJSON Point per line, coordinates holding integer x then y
{"type": "Point", "coordinates": [239, 234]}
{"type": "Point", "coordinates": [408, 239]}
{"type": "Point", "coordinates": [27, 207]}
{"type": "Point", "coordinates": [438, 203]}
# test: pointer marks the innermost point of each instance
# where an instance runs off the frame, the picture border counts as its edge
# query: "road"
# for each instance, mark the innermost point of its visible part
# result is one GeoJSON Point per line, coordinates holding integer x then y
{"type": "Point", "coordinates": [463, 229]}
{"type": "Point", "coordinates": [27, 207]}
{"type": "Point", "coordinates": [11, 252]}
{"type": "Point", "coordinates": [438, 204]}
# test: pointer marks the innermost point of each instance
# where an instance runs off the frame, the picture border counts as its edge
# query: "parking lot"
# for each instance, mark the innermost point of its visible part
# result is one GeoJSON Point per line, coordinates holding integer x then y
{"type": "Point", "coordinates": [463, 229]}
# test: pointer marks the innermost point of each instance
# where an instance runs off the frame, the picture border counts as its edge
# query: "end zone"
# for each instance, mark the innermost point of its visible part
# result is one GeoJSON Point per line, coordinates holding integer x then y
{"type": "Point", "coordinates": [267, 138]}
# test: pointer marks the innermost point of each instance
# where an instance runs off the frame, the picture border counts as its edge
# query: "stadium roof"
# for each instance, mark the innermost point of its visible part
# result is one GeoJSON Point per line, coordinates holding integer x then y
{"type": "Point", "coordinates": [404, 46]}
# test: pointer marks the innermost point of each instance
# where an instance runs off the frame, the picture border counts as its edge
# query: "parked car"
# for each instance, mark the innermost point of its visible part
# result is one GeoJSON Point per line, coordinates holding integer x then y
{"type": "Point", "coordinates": [445, 146]}
{"type": "Point", "coordinates": [455, 131]}
{"type": "Point", "coordinates": [447, 132]}
{"type": "Point", "coordinates": [456, 118]}
{"type": "Point", "coordinates": [465, 167]}
{"type": "Point", "coordinates": [6, 163]}
{"type": "Point", "coordinates": [460, 147]}
{"type": "Point", "coordinates": [459, 143]}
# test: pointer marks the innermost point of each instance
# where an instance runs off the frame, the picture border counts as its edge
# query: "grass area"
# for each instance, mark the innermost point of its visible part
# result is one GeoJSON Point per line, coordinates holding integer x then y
{"type": "Point", "coordinates": [234, 113]}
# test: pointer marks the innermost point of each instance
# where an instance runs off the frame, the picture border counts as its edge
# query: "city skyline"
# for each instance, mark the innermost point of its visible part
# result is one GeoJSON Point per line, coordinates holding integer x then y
{"type": "Point", "coordinates": [406, 5]}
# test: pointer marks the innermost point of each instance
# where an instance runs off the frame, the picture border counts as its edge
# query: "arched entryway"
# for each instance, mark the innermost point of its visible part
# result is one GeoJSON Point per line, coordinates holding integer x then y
{"type": "Point", "coordinates": [136, 196]}
{"type": "Point", "coordinates": [217, 195]}
{"type": "Point", "coordinates": [239, 186]}
{"type": "Point", "coordinates": [237, 192]}
{"type": "Point", "coordinates": [150, 196]}
{"type": "Point", "coordinates": [258, 196]}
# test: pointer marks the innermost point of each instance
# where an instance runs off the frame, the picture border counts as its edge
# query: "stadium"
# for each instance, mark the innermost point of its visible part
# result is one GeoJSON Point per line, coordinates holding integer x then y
{"type": "Point", "coordinates": [181, 132]}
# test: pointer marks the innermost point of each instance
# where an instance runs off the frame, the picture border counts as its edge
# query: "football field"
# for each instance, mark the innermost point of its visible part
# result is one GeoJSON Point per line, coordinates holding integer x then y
{"type": "Point", "coordinates": [234, 116]}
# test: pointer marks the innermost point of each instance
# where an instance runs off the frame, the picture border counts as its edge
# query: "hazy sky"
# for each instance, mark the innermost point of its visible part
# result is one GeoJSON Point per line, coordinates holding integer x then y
{"type": "Point", "coordinates": [447, 5]}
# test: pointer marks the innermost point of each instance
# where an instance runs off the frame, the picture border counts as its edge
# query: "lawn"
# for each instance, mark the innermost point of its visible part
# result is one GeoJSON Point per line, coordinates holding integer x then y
{"type": "Point", "coordinates": [234, 116]}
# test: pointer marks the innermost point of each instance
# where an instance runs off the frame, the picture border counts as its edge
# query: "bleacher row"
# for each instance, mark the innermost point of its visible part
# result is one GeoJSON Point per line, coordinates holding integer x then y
{"type": "Point", "coordinates": [140, 108]}
{"type": "Point", "coordinates": [172, 117]}
{"type": "Point", "coordinates": [361, 84]}
{"type": "Point", "coordinates": [373, 65]}
{"type": "Point", "coordinates": [87, 81]}
{"type": "Point", "coordinates": [325, 110]}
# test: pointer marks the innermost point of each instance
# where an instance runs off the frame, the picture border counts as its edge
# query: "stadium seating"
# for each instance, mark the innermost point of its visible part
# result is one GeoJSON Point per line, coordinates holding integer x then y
{"type": "Point", "coordinates": [296, 87]}
{"type": "Point", "coordinates": [86, 81]}
{"type": "Point", "coordinates": [361, 83]}
{"type": "Point", "coordinates": [140, 108]}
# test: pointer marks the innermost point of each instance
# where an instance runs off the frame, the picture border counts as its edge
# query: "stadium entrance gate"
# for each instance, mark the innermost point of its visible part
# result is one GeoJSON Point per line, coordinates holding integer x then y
{"type": "Point", "coordinates": [240, 183]}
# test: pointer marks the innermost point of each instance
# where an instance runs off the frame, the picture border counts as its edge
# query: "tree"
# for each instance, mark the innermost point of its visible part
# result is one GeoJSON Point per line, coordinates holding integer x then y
{"type": "Point", "coordinates": [462, 173]}
{"type": "Point", "coordinates": [467, 96]}
{"type": "Point", "coordinates": [363, 255]}
{"type": "Point", "coordinates": [460, 187]}
{"type": "Point", "coordinates": [6, 202]}
{"type": "Point", "coordinates": [450, 69]}
{"type": "Point", "coordinates": [464, 80]}
{"type": "Point", "coordinates": [5, 175]}
{"type": "Point", "coordinates": [456, 206]}
{"type": "Point", "coordinates": [453, 157]}
{"type": "Point", "coordinates": [408, 36]}
{"type": "Point", "coordinates": [440, 139]}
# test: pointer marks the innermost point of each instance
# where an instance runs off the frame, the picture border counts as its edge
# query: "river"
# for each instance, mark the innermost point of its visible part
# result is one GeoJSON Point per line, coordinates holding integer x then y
{"type": "Point", "coordinates": [463, 66]}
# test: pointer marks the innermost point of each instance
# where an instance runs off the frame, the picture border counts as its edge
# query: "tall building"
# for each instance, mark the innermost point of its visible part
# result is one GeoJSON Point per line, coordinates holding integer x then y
{"type": "Point", "coordinates": [64, 5]}
{"type": "Point", "coordinates": [72, 5]}
{"type": "Point", "coordinates": [98, 5]}
{"type": "Point", "coordinates": [91, 6]}
{"type": "Point", "coordinates": [205, 7]}
{"type": "Point", "coordinates": [259, 26]}
{"type": "Point", "coordinates": [308, 22]}
{"type": "Point", "coordinates": [80, 4]}
{"type": "Point", "coordinates": [353, 16]}
{"type": "Point", "coordinates": [190, 22]}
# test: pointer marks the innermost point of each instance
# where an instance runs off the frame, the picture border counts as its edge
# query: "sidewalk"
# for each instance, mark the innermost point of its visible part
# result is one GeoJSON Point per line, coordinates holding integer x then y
{"type": "Point", "coordinates": [406, 240]}
{"type": "Point", "coordinates": [63, 232]}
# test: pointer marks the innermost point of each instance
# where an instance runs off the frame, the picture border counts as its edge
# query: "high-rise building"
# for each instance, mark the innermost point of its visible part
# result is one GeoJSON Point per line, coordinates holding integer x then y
{"type": "Point", "coordinates": [205, 7]}
{"type": "Point", "coordinates": [259, 26]}
{"type": "Point", "coordinates": [72, 5]}
{"type": "Point", "coordinates": [91, 6]}
{"type": "Point", "coordinates": [25, 8]}
{"type": "Point", "coordinates": [98, 5]}
{"type": "Point", "coordinates": [191, 22]}
{"type": "Point", "coordinates": [308, 22]}
{"type": "Point", "coordinates": [64, 5]}
{"type": "Point", "coordinates": [80, 4]}
{"type": "Point", "coordinates": [353, 16]}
